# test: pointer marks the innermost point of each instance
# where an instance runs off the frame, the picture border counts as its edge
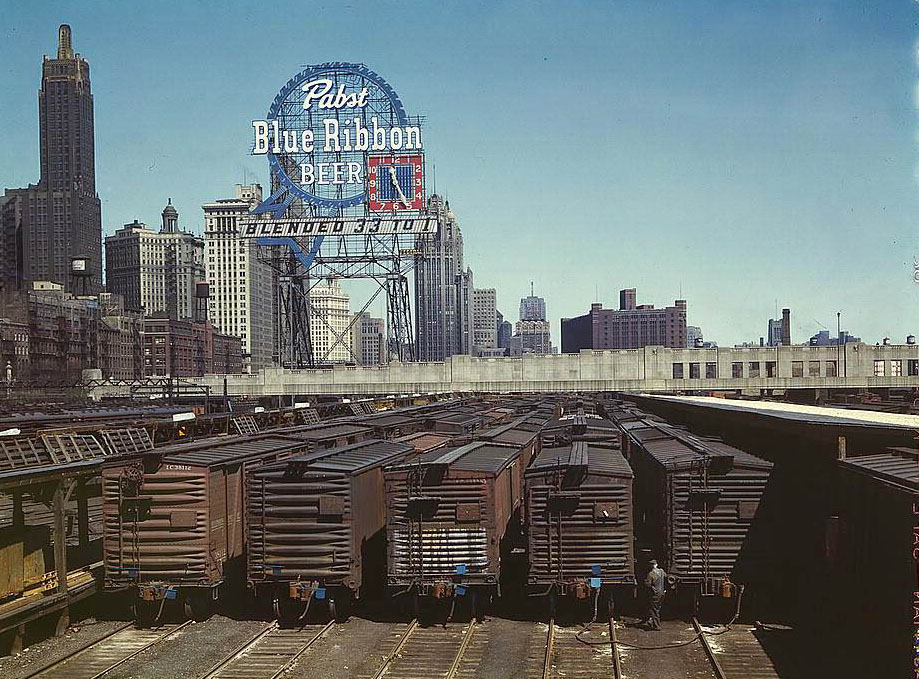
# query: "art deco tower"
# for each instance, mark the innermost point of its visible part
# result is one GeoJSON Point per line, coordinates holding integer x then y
{"type": "Point", "coordinates": [64, 215]}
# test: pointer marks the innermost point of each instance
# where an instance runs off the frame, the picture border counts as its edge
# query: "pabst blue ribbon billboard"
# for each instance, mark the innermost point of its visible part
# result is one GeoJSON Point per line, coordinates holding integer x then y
{"type": "Point", "coordinates": [337, 138]}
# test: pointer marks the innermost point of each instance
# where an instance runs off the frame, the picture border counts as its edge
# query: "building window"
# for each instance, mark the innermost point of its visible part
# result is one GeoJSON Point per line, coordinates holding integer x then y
{"type": "Point", "coordinates": [754, 369]}
{"type": "Point", "coordinates": [912, 367]}
{"type": "Point", "coordinates": [896, 368]}
{"type": "Point", "coordinates": [737, 370]}
{"type": "Point", "coordinates": [879, 368]}
{"type": "Point", "coordinates": [797, 368]}
{"type": "Point", "coordinates": [770, 369]}
{"type": "Point", "coordinates": [831, 368]}
{"type": "Point", "coordinates": [677, 371]}
{"type": "Point", "coordinates": [813, 368]}
{"type": "Point", "coordinates": [711, 371]}
{"type": "Point", "coordinates": [694, 371]}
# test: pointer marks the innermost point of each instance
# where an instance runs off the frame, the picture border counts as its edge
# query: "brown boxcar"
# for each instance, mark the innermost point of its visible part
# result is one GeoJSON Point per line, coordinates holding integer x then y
{"type": "Point", "coordinates": [316, 523]}
{"type": "Point", "coordinates": [579, 521]}
{"type": "Point", "coordinates": [174, 520]}
{"type": "Point", "coordinates": [392, 425]}
{"type": "Point", "coordinates": [327, 436]}
{"type": "Point", "coordinates": [448, 513]}
{"type": "Point", "coordinates": [871, 549]}
{"type": "Point", "coordinates": [423, 442]}
{"type": "Point", "coordinates": [697, 507]}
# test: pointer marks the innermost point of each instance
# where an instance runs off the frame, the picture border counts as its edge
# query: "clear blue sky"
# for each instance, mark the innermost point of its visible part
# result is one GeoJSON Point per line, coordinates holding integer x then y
{"type": "Point", "coordinates": [748, 153]}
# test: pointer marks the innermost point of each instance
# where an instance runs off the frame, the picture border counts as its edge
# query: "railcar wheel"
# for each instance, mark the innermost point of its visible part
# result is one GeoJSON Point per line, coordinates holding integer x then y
{"type": "Point", "coordinates": [144, 612]}
{"type": "Point", "coordinates": [198, 606]}
{"type": "Point", "coordinates": [553, 602]}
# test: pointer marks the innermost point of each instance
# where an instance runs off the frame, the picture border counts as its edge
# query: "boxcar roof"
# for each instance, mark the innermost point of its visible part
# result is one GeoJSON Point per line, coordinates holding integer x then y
{"type": "Point", "coordinates": [387, 420]}
{"type": "Point", "coordinates": [325, 431]}
{"type": "Point", "coordinates": [675, 449]}
{"type": "Point", "coordinates": [478, 456]}
{"type": "Point", "coordinates": [425, 440]}
{"type": "Point", "coordinates": [354, 457]}
{"type": "Point", "coordinates": [233, 451]}
{"type": "Point", "coordinates": [899, 466]}
{"type": "Point", "coordinates": [600, 460]}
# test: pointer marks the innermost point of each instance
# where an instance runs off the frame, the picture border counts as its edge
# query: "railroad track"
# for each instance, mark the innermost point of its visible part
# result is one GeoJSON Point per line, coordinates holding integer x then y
{"type": "Point", "coordinates": [595, 654]}
{"type": "Point", "coordinates": [269, 653]}
{"type": "Point", "coordinates": [735, 654]}
{"type": "Point", "coordinates": [435, 652]}
{"type": "Point", "coordinates": [103, 655]}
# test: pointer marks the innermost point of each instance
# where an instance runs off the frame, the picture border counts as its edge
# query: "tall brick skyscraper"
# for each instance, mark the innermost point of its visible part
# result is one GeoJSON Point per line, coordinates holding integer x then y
{"type": "Point", "coordinates": [60, 217]}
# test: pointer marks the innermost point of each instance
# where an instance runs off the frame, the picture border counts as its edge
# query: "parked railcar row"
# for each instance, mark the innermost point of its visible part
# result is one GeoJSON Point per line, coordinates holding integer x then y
{"type": "Point", "coordinates": [430, 502]}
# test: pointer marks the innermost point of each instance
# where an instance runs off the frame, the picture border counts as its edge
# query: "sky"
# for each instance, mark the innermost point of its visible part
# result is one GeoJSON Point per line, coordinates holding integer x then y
{"type": "Point", "coordinates": [743, 156]}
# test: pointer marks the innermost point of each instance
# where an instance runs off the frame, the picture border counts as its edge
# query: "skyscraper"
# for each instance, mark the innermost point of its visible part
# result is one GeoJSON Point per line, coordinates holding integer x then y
{"type": "Point", "coordinates": [484, 318]}
{"type": "Point", "coordinates": [242, 286]}
{"type": "Point", "coordinates": [368, 340]}
{"type": "Point", "coordinates": [532, 308]}
{"type": "Point", "coordinates": [155, 272]}
{"type": "Point", "coordinates": [531, 333]}
{"type": "Point", "coordinates": [60, 218]}
{"type": "Point", "coordinates": [329, 323]}
{"type": "Point", "coordinates": [442, 287]}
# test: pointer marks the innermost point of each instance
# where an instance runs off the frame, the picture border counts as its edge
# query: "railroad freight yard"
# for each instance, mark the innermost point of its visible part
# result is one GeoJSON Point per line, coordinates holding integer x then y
{"type": "Point", "coordinates": [459, 535]}
{"type": "Point", "coordinates": [470, 340]}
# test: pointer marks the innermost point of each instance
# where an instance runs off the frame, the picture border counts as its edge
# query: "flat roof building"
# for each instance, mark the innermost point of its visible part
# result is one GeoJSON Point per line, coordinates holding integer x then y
{"type": "Point", "coordinates": [629, 327]}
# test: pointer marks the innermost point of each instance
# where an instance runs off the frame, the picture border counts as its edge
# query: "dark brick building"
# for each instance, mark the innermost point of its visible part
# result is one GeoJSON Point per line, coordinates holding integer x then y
{"type": "Point", "coordinates": [629, 327]}
{"type": "Point", "coordinates": [187, 349]}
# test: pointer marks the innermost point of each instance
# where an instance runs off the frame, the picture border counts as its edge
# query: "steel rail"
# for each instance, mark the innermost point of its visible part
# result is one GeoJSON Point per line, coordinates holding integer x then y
{"type": "Point", "coordinates": [614, 645]}
{"type": "Point", "coordinates": [93, 672]}
{"type": "Point", "coordinates": [454, 668]}
{"type": "Point", "coordinates": [700, 633]}
{"type": "Point", "coordinates": [550, 642]}
{"type": "Point", "coordinates": [399, 646]}
{"type": "Point", "coordinates": [239, 649]}
{"type": "Point", "coordinates": [252, 644]}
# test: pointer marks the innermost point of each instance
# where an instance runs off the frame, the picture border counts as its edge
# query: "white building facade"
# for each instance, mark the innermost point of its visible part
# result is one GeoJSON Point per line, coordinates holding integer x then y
{"type": "Point", "coordinates": [156, 272]}
{"type": "Point", "coordinates": [242, 287]}
{"type": "Point", "coordinates": [330, 323]}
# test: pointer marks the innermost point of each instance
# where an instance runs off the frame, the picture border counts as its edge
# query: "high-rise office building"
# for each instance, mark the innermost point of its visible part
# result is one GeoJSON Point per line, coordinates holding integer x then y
{"type": "Point", "coordinates": [443, 300]}
{"type": "Point", "coordinates": [329, 321]}
{"type": "Point", "coordinates": [484, 319]}
{"type": "Point", "coordinates": [155, 272]}
{"type": "Point", "coordinates": [242, 286]}
{"type": "Point", "coordinates": [60, 218]}
{"type": "Point", "coordinates": [531, 333]}
{"type": "Point", "coordinates": [630, 327]}
{"type": "Point", "coordinates": [532, 308]}
{"type": "Point", "coordinates": [368, 340]}
{"type": "Point", "coordinates": [505, 331]}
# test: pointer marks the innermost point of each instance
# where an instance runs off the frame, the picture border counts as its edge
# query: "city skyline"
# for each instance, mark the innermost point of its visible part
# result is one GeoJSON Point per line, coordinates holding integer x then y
{"type": "Point", "coordinates": [685, 198]}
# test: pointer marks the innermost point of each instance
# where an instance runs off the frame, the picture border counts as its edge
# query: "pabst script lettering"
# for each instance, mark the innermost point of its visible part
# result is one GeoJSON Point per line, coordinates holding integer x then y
{"type": "Point", "coordinates": [320, 90]}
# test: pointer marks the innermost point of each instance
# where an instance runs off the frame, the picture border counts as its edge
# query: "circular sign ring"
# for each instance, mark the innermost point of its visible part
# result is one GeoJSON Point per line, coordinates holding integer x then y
{"type": "Point", "coordinates": [312, 72]}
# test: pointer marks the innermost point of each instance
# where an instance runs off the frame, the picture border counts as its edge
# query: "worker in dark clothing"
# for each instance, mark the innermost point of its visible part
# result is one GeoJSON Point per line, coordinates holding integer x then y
{"type": "Point", "coordinates": [655, 581]}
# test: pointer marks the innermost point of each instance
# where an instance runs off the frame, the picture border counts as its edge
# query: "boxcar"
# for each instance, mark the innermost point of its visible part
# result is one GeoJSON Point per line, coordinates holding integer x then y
{"type": "Point", "coordinates": [316, 524]}
{"type": "Point", "coordinates": [174, 520]}
{"type": "Point", "coordinates": [392, 425]}
{"type": "Point", "coordinates": [327, 436]}
{"type": "Point", "coordinates": [448, 513]}
{"type": "Point", "coordinates": [697, 503]}
{"type": "Point", "coordinates": [423, 442]}
{"type": "Point", "coordinates": [579, 521]}
{"type": "Point", "coordinates": [456, 423]}
{"type": "Point", "coordinates": [873, 559]}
